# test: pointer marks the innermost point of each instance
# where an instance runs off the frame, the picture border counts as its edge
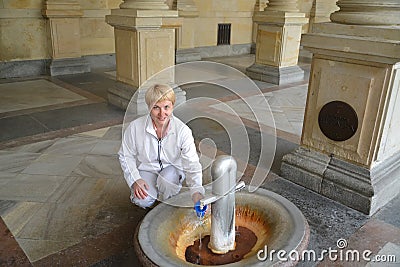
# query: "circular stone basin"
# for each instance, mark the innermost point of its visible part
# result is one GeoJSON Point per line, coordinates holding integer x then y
{"type": "Point", "coordinates": [167, 231]}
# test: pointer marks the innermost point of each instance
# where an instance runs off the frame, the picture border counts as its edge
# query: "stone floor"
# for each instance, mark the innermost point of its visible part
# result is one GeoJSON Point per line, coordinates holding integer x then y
{"type": "Point", "coordinates": [64, 202]}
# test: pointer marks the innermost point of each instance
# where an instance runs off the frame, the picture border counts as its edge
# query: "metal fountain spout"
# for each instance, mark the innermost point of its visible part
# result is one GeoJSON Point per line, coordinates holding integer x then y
{"type": "Point", "coordinates": [223, 172]}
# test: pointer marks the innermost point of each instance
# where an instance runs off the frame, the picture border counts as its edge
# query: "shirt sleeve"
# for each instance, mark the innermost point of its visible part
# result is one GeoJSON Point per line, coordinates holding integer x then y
{"type": "Point", "coordinates": [127, 156]}
{"type": "Point", "coordinates": [191, 164]}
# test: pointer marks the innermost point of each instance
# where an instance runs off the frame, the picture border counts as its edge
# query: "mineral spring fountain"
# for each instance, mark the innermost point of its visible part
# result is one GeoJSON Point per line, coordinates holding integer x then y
{"type": "Point", "coordinates": [241, 229]}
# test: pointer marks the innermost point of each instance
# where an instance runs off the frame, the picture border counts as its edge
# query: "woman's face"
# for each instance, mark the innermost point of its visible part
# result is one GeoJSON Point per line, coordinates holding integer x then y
{"type": "Point", "coordinates": [161, 111]}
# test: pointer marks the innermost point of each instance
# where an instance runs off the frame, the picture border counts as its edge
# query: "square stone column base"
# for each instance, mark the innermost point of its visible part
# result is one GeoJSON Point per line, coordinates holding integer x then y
{"type": "Point", "coordinates": [275, 75]}
{"type": "Point", "coordinates": [68, 66]}
{"type": "Point", "coordinates": [187, 55]}
{"type": "Point", "coordinates": [360, 188]}
{"type": "Point", "coordinates": [122, 94]}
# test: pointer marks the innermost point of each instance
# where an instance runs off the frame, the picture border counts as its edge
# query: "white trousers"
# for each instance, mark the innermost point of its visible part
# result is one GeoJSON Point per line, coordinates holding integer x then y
{"type": "Point", "coordinates": [162, 185]}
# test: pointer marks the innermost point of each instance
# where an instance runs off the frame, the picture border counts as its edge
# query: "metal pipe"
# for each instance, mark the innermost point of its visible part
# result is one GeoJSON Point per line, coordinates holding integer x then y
{"type": "Point", "coordinates": [222, 237]}
{"type": "Point", "coordinates": [209, 200]}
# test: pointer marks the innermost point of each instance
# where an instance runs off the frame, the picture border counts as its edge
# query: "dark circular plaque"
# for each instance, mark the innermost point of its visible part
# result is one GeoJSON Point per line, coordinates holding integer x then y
{"type": "Point", "coordinates": [338, 120]}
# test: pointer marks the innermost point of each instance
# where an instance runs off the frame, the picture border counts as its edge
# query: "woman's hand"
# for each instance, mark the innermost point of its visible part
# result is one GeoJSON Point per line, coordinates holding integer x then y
{"type": "Point", "coordinates": [139, 189]}
{"type": "Point", "coordinates": [196, 197]}
{"type": "Point", "coordinates": [200, 212]}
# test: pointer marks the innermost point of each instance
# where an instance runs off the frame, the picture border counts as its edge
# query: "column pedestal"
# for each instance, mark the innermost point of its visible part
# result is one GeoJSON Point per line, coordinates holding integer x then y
{"type": "Point", "coordinates": [145, 45]}
{"type": "Point", "coordinates": [64, 35]}
{"type": "Point", "coordinates": [277, 47]}
{"type": "Point", "coordinates": [350, 150]}
{"type": "Point", "coordinates": [275, 75]}
{"type": "Point", "coordinates": [358, 187]}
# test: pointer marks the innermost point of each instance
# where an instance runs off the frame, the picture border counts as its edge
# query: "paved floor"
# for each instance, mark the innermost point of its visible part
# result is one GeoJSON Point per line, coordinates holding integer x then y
{"type": "Point", "coordinates": [63, 201]}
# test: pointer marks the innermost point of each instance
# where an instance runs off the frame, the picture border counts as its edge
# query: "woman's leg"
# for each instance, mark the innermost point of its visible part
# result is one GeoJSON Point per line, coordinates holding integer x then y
{"type": "Point", "coordinates": [169, 182]}
{"type": "Point", "coordinates": [150, 179]}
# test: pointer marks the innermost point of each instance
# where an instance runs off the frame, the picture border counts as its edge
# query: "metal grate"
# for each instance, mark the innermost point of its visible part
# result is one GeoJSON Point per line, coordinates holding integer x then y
{"type": "Point", "coordinates": [224, 34]}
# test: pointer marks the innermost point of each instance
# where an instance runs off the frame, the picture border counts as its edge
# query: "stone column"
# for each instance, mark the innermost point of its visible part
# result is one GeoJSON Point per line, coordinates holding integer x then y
{"type": "Point", "coordinates": [321, 11]}
{"type": "Point", "coordinates": [64, 35]}
{"type": "Point", "coordinates": [145, 45]}
{"type": "Point", "coordinates": [350, 150]}
{"type": "Point", "coordinates": [186, 51]}
{"type": "Point", "coordinates": [278, 43]}
{"type": "Point", "coordinates": [368, 12]}
{"type": "Point", "coordinates": [144, 4]}
{"type": "Point", "coordinates": [258, 7]}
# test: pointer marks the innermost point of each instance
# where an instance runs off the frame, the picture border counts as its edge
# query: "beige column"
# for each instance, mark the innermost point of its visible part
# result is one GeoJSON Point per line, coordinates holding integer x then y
{"type": "Point", "coordinates": [260, 5]}
{"type": "Point", "coordinates": [187, 11]}
{"type": "Point", "coordinates": [278, 43]}
{"type": "Point", "coordinates": [185, 7]}
{"type": "Point", "coordinates": [145, 4]}
{"type": "Point", "coordinates": [350, 150]}
{"type": "Point", "coordinates": [144, 34]}
{"type": "Point", "coordinates": [64, 34]}
{"type": "Point", "coordinates": [321, 11]}
{"type": "Point", "coordinates": [283, 5]}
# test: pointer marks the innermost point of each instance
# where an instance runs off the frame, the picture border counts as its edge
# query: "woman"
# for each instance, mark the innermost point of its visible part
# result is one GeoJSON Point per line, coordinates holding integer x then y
{"type": "Point", "coordinates": [158, 152]}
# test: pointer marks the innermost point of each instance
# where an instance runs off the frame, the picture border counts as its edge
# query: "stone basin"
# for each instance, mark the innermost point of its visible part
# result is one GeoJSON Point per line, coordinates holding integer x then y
{"type": "Point", "coordinates": [166, 231]}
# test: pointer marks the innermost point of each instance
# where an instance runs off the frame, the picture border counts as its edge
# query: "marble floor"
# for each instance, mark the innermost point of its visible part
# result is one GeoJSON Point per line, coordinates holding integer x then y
{"type": "Point", "coordinates": [64, 202]}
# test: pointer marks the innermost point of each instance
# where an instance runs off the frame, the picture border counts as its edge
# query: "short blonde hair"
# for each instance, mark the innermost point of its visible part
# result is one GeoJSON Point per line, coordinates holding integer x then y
{"type": "Point", "coordinates": [159, 92]}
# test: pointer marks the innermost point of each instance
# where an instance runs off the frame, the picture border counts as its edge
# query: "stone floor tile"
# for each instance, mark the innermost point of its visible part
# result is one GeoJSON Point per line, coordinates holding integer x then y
{"type": "Point", "coordinates": [37, 147]}
{"type": "Point", "coordinates": [54, 165]}
{"type": "Point", "coordinates": [12, 161]}
{"type": "Point", "coordinates": [106, 147]}
{"type": "Point", "coordinates": [30, 188]}
{"type": "Point", "coordinates": [6, 205]}
{"type": "Point", "coordinates": [99, 166]}
{"type": "Point", "coordinates": [389, 214]}
{"type": "Point", "coordinates": [72, 146]}
{"type": "Point", "coordinates": [82, 190]}
{"type": "Point", "coordinates": [33, 93]}
{"type": "Point", "coordinates": [95, 133]}
{"type": "Point", "coordinates": [72, 116]}
{"type": "Point", "coordinates": [11, 127]}
{"type": "Point", "coordinates": [19, 215]}
{"type": "Point", "coordinates": [389, 255]}
{"type": "Point", "coordinates": [38, 249]}
{"type": "Point", "coordinates": [329, 221]}
{"type": "Point", "coordinates": [114, 133]}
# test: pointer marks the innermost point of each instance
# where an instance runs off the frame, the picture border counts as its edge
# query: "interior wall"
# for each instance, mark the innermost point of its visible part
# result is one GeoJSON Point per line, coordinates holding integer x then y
{"type": "Point", "coordinates": [211, 12]}
{"type": "Point", "coordinates": [97, 37]}
{"type": "Point", "coordinates": [24, 31]}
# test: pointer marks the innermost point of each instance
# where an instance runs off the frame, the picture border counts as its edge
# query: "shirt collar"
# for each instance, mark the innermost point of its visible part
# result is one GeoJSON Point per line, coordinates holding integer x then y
{"type": "Point", "coordinates": [150, 129]}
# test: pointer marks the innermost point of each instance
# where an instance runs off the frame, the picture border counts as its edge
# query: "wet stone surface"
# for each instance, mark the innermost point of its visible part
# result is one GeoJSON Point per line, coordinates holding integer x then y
{"type": "Point", "coordinates": [200, 254]}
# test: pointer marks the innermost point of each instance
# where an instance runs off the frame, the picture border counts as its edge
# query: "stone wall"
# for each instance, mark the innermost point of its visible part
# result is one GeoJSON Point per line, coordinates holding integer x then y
{"type": "Point", "coordinates": [24, 33]}
{"type": "Point", "coordinates": [238, 13]}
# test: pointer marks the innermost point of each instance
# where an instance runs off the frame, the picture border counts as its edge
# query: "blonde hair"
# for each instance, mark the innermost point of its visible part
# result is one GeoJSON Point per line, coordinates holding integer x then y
{"type": "Point", "coordinates": [159, 92]}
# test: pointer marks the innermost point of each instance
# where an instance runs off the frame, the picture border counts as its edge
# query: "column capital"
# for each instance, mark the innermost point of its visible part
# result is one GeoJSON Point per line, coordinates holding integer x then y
{"type": "Point", "coordinates": [367, 12]}
{"type": "Point", "coordinates": [280, 17]}
{"type": "Point", "coordinates": [283, 5]}
{"type": "Point", "coordinates": [321, 10]}
{"type": "Point", "coordinates": [61, 9]}
{"type": "Point", "coordinates": [260, 5]}
{"type": "Point", "coordinates": [144, 4]}
{"type": "Point", "coordinates": [186, 8]}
